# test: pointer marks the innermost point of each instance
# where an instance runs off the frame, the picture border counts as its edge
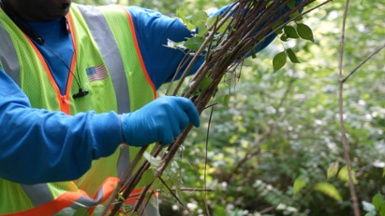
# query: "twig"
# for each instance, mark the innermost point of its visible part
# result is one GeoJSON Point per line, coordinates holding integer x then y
{"type": "Point", "coordinates": [123, 180]}
{"type": "Point", "coordinates": [345, 143]}
{"type": "Point", "coordinates": [264, 211]}
{"type": "Point", "coordinates": [140, 201]}
{"type": "Point", "coordinates": [175, 196]}
{"type": "Point", "coordinates": [363, 62]}
{"type": "Point", "coordinates": [198, 53]}
{"type": "Point", "coordinates": [193, 189]}
{"type": "Point", "coordinates": [285, 23]}
{"type": "Point", "coordinates": [134, 180]}
{"type": "Point", "coordinates": [205, 169]}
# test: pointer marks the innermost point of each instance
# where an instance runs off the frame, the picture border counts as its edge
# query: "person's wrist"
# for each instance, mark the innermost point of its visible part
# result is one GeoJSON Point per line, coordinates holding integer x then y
{"type": "Point", "coordinates": [105, 131]}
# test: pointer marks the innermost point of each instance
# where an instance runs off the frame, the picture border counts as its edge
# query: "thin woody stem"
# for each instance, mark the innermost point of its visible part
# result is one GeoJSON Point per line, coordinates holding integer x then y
{"type": "Point", "coordinates": [345, 142]}
{"type": "Point", "coordinates": [363, 62]}
{"type": "Point", "coordinates": [206, 157]}
{"type": "Point", "coordinates": [125, 178]}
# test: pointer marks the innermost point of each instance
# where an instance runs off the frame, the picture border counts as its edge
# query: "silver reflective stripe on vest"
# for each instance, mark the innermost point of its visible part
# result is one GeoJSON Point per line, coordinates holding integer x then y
{"type": "Point", "coordinates": [39, 194]}
{"type": "Point", "coordinates": [106, 43]}
{"type": "Point", "coordinates": [8, 56]}
{"type": "Point", "coordinates": [108, 47]}
{"type": "Point", "coordinates": [123, 161]}
{"type": "Point", "coordinates": [103, 37]}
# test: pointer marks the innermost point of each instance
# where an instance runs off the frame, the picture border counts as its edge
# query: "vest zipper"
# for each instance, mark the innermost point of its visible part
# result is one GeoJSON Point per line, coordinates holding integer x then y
{"type": "Point", "coordinates": [64, 101]}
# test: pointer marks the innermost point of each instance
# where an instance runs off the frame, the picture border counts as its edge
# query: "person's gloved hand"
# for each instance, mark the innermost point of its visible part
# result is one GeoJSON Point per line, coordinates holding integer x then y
{"type": "Point", "coordinates": [160, 120]}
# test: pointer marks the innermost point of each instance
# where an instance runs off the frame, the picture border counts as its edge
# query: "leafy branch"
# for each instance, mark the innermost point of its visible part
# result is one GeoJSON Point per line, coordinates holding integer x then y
{"type": "Point", "coordinates": [343, 80]}
{"type": "Point", "coordinates": [228, 40]}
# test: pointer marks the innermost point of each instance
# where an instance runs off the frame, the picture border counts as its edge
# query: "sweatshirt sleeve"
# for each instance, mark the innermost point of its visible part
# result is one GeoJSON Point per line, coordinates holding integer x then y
{"type": "Point", "coordinates": [38, 145]}
{"type": "Point", "coordinates": [153, 30]}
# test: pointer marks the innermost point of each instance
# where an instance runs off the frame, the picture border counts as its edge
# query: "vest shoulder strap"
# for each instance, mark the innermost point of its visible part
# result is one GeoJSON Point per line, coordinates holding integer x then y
{"type": "Point", "coordinates": [106, 43]}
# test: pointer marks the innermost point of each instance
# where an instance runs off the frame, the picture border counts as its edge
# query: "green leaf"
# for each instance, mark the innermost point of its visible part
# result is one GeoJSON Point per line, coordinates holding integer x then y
{"type": "Point", "coordinates": [219, 210]}
{"type": "Point", "coordinates": [226, 100]}
{"type": "Point", "coordinates": [253, 54]}
{"type": "Point", "coordinates": [279, 61]}
{"type": "Point", "coordinates": [200, 21]}
{"type": "Point", "coordinates": [200, 16]}
{"type": "Point", "coordinates": [300, 18]}
{"type": "Point", "coordinates": [329, 190]}
{"type": "Point", "coordinates": [205, 83]}
{"type": "Point", "coordinates": [290, 32]}
{"type": "Point", "coordinates": [180, 13]}
{"type": "Point", "coordinates": [291, 4]}
{"type": "Point", "coordinates": [293, 58]}
{"type": "Point", "coordinates": [175, 45]}
{"type": "Point", "coordinates": [295, 14]}
{"type": "Point", "coordinates": [120, 196]}
{"type": "Point", "coordinates": [343, 175]}
{"type": "Point", "coordinates": [378, 204]}
{"type": "Point", "coordinates": [226, 26]}
{"type": "Point", "coordinates": [152, 160]}
{"type": "Point", "coordinates": [276, 25]}
{"type": "Point", "coordinates": [305, 32]}
{"type": "Point", "coordinates": [378, 201]}
{"type": "Point", "coordinates": [299, 184]}
{"type": "Point", "coordinates": [283, 37]}
{"type": "Point", "coordinates": [202, 28]}
{"type": "Point", "coordinates": [194, 43]}
{"type": "Point", "coordinates": [382, 210]}
{"type": "Point", "coordinates": [269, 3]}
{"type": "Point", "coordinates": [332, 170]}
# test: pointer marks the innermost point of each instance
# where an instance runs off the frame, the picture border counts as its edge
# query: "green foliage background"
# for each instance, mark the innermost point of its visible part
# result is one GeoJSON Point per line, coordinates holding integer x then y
{"type": "Point", "coordinates": [276, 148]}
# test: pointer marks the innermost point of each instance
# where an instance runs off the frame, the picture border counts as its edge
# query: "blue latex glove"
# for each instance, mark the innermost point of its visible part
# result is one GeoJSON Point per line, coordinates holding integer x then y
{"type": "Point", "coordinates": [160, 120]}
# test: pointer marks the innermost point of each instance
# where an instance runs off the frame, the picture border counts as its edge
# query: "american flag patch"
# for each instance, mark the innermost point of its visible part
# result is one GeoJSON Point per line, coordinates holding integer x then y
{"type": "Point", "coordinates": [96, 73]}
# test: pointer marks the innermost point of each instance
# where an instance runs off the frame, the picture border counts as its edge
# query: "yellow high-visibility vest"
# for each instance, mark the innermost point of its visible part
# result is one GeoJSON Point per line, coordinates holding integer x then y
{"type": "Point", "coordinates": [104, 39]}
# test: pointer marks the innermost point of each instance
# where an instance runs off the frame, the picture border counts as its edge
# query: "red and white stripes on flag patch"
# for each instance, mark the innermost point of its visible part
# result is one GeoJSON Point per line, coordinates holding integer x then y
{"type": "Point", "coordinates": [96, 73]}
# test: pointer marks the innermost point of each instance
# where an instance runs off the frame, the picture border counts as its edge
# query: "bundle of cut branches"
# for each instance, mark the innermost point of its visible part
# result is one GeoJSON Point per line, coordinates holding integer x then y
{"type": "Point", "coordinates": [232, 37]}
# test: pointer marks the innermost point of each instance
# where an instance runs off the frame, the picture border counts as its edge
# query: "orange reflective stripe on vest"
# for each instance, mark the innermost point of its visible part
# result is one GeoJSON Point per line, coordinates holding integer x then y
{"type": "Point", "coordinates": [69, 199]}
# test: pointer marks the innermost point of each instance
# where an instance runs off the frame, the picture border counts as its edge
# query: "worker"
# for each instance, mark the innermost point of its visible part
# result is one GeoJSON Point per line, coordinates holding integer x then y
{"type": "Point", "coordinates": [76, 82]}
